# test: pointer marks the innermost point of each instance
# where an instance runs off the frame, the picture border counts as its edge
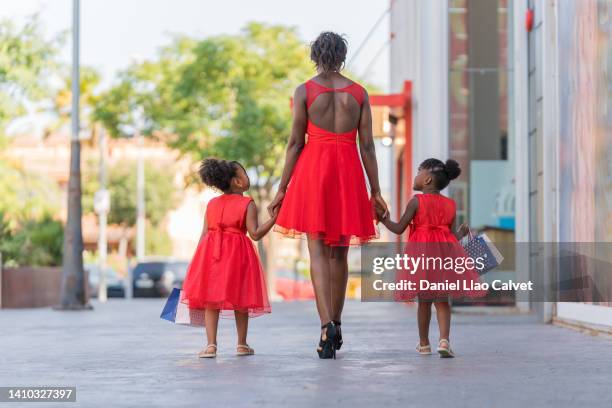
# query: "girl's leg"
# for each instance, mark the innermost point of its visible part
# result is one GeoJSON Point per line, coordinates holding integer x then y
{"type": "Point", "coordinates": [211, 320]}
{"type": "Point", "coordinates": [443, 313]}
{"type": "Point", "coordinates": [242, 326]}
{"type": "Point", "coordinates": [320, 276]}
{"type": "Point", "coordinates": [423, 319]}
{"type": "Point", "coordinates": [338, 266]}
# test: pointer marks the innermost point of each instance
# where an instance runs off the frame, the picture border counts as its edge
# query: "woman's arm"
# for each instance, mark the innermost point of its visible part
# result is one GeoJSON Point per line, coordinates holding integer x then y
{"type": "Point", "coordinates": [368, 155]}
{"type": "Point", "coordinates": [294, 146]}
{"type": "Point", "coordinates": [256, 231]}
{"type": "Point", "coordinates": [400, 227]}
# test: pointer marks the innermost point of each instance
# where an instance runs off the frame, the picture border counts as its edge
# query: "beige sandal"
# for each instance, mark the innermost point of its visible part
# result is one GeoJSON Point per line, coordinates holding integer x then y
{"type": "Point", "coordinates": [445, 352]}
{"type": "Point", "coordinates": [423, 350]}
{"type": "Point", "coordinates": [205, 354]}
{"type": "Point", "coordinates": [249, 351]}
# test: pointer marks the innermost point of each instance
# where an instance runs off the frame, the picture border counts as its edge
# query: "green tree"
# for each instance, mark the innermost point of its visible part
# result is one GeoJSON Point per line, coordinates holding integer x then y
{"type": "Point", "coordinates": [32, 242]}
{"type": "Point", "coordinates": [226, 96]}
{"type": "Point", "coordinates": [62, 99]}
{"type": "Point", "coordinates": [160, 194]}
{"type": "Point", "coordinates": [24, 195]}
{"type": "Point", "coordinates": [27, 60]}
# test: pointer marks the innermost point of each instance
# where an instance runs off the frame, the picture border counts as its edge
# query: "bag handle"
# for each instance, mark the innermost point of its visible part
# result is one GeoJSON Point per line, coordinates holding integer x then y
{"type": "Point", "coordinates": [470, 233]}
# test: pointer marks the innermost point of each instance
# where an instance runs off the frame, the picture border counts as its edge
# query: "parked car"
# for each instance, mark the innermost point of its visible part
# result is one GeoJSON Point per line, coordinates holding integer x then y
{"type": "Point", "coordinates": [292, 286]}
{"type": "Point", "coordinates": [157, 277]}
{"type": "Point", "coordinates": [115, 286]}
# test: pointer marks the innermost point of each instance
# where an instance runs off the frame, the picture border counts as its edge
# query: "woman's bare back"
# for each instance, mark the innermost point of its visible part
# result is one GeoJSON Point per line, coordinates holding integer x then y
{"type": "Point", "coordinates": [337, 112]}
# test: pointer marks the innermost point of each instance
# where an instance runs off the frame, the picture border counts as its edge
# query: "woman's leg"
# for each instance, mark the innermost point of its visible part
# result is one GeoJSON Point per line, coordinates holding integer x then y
{"type": "Point", "coordinates": [320, 276]}
{"type": "Point", "coordinates": [423, 319]}
{"type": "Point", "coordinates": [211, 320]}
{"type": "Point", "coordinates": [338, 266]}
{"type": "Point", "coordinates": [242, 326]}
{"type": "Point", "coordinates": [443, 313]}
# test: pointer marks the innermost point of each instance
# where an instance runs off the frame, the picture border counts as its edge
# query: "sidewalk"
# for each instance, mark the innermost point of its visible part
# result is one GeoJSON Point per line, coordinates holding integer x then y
{"type": "Point", "coordinates": [122, 354]}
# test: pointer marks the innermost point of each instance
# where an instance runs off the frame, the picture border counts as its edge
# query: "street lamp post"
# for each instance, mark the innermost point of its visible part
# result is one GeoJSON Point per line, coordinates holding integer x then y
{"type": "Point", "coordinates": [102, 207]}
{"type": "Point", "coordinates": [140, 197]}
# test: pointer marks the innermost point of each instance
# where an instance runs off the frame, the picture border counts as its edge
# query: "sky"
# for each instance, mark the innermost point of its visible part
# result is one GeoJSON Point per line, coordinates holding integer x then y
{"type": "Point", "coordinates": [116, 32]}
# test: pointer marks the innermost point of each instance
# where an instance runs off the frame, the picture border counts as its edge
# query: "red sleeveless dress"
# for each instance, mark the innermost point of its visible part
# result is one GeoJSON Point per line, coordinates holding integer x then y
{"type": "Point", "coordinates": [225, 272]}
{"type": "Point", "coordinates": [327, 197]}
{"type": "Point", "coordinates": [431, 236]}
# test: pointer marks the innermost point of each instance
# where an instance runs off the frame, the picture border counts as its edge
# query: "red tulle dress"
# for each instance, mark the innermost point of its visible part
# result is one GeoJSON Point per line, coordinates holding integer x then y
{"type": "Point", "coordinates": [225, 272]}
{"type": "Point", "coordinates": [327, 197]}
{"type": "Point", "coordinates": [430, 239]}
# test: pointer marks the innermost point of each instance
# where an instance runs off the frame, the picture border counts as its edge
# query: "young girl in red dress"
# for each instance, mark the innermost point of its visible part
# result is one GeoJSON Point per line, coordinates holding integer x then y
{"type": "Point", "coordinates": [431, 217]}
{"type": "Point", "coordinates": [225, 273]}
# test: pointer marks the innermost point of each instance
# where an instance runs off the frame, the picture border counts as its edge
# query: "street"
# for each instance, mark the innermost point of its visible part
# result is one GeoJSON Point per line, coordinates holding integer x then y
{"type": "Point", "coordinates": [122, 354]}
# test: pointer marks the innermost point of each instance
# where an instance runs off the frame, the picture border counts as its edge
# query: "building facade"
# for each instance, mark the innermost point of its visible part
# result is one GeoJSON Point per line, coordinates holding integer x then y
{"type": "Point", "coordinates": [519, 93]}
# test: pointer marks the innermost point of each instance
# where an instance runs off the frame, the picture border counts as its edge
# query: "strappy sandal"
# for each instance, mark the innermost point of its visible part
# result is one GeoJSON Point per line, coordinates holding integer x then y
{"type": "Point", "coordinates": [423, 350]}
{"type": "Point", "coordinates": [338, 343]}
{"type": "Point", "coordinates": [249, 351]}
{"type": "Point", "coordinates": [205, 354]}
{"type": "Point", "coordinates": [445, 352]}
{"type": "Point", "coordinates": [327, 347]}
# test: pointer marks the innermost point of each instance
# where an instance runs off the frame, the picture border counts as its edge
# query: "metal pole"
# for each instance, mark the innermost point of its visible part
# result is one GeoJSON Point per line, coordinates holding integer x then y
{"type": "Point", "coordinates": [140, 188]}
{"type": "Point", "coordinates": [102, 220]}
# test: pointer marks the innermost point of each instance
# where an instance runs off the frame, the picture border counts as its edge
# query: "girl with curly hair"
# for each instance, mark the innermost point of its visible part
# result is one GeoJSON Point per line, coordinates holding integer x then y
{"type": "Point", "coordinates": [225, 273]}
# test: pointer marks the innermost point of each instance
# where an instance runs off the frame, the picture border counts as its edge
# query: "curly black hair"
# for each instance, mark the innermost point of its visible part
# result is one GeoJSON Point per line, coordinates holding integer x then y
{"type": "Point", "coordinates": [442, 172]}
{"type": "Point", "coordinates": [218, 173]}
{"type": "Point", "coordinates": [328, 51]}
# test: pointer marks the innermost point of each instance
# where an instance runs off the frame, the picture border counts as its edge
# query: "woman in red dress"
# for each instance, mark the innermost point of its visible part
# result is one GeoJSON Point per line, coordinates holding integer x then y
{"type": "Point", "coordinates": [225, 274]}
{"type": "Point", "coordinates": [323, 190]}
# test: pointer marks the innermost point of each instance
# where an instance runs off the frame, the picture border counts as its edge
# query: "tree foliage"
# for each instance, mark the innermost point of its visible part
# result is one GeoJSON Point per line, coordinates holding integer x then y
{"type": "Point", "coordinates": [225, 96]}
{"type": "Point", "coordinates": [33, 242]}
{"type": "Point", "coordinates": [62, 99]}
{"type": "Point", "coordinates": [160, 195]}
{"type": "Point", "coordinates": [24, 195]}
{"type": "Point", "coordinates": [27, 59]}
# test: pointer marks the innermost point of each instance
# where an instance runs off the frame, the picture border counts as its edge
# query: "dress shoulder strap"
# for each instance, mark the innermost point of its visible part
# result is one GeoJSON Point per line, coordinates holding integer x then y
{"type": "Point", "coordinates": [313, 90]}
{"type": "Point", "coordinates": [357, 91]}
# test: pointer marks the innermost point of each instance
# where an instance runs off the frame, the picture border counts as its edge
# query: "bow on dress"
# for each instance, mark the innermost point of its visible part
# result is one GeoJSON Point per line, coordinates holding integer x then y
{"type": "Point", "coordinates": [443, 227]}
{"type": "Point", "coordinates": [217, 238]}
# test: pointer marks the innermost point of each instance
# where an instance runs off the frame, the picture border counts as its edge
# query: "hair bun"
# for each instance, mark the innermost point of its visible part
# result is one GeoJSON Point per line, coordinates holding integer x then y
{"type": "Point", "coordinates": [452, 169]}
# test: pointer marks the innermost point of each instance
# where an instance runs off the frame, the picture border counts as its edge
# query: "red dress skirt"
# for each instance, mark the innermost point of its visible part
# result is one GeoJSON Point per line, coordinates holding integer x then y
{"type": "Point", "coordinates": [443, 272]}
{"type": "Point", "coordinates": [327, 197]}
{"type": "Point", "coordinates": [225, 272]}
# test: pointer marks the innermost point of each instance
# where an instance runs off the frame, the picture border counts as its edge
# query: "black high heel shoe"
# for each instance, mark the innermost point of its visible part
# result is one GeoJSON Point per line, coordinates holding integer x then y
{"type": "Point", "coordinates": [327, 347]}
{"type": "Point", "coordinates": [339, 341]}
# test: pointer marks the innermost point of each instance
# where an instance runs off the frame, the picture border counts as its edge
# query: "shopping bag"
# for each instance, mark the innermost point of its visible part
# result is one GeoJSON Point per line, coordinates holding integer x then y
{"type": "Point", "coordinates": [480, 246]}
{"type": "Point", "coordinates": [169, 310]}
{"type": "Point", "coordinates": [179, 312]}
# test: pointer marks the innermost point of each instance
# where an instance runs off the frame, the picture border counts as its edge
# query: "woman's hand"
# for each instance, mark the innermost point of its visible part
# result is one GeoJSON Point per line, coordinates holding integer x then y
{"type": "Point", "coordinates": [380, 206]}
{"type": "Point", "coordinates": [274, 206]}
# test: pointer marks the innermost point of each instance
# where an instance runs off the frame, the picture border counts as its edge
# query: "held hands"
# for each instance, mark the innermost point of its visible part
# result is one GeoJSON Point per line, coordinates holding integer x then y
{"type": "Point", "coordinates": [380, 206]}
{"type": "Point", "coordinates": [274, 206]}
{"type": "Point", "coordinates": [275, 212]}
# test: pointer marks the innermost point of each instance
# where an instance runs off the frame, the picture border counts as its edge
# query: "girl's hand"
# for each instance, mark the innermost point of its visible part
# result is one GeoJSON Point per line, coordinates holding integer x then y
{"type": "Point", "coordinates": [274, 206]}
{"type": "Point", "coordinates": [275, 212]}
{"type": "Point", "coordinates": [462, 231]}
{"type": "Point", "coordinates": [382, 211]}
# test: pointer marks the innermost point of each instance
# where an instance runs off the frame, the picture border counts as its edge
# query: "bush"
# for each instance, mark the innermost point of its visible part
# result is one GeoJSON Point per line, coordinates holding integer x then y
{"type": "Point", "coordinates": [32, 242]}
